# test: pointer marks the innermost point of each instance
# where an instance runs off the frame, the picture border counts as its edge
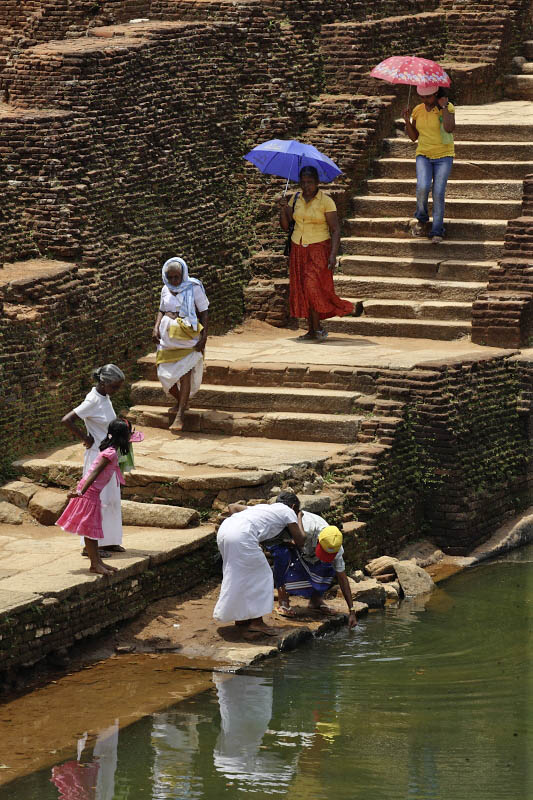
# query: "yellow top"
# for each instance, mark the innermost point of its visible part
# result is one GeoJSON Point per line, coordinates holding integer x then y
{"type": "Point", "coordinates": [310, 218]}
{"type": "Point", "coordinates": [428, 125]}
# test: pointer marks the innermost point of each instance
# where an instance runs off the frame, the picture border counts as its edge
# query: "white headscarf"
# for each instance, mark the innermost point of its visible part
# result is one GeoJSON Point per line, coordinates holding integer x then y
{"type": "Point", "coordinates": [187, 310]}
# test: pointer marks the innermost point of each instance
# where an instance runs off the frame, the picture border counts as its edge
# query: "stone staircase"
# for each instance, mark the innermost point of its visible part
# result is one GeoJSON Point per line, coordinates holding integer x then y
{"type": "Point", "coordinates": [238, 403]}
{"type": "Point", "coordinates": [411, 287]}
{"type": "Point", "coordinates": [520, 85]}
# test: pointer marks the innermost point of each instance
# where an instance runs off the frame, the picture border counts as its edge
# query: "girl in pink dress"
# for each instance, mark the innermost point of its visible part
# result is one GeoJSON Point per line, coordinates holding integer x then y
{"type": "Point", "coordinates": [83, 515]}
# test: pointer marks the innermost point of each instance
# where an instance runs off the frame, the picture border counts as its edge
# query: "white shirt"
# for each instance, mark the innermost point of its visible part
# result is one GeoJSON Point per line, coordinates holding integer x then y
{"type": "Point", "coordinates": [265, 520]}
{"type": "Point", "coordinates": [172, 302]}
{"type": "Point", "coordinates": [312, 525]}
{"type": "Point", "coordinates": [97, 412]}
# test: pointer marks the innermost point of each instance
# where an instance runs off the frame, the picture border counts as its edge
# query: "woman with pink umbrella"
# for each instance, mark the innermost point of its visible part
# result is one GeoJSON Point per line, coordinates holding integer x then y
{"type": "Point", "coordinates": [431, 123]}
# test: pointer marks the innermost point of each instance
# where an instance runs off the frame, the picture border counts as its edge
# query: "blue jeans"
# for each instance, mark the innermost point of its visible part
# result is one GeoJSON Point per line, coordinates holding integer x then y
{"type": "Point", "coordinates": [428, 170]}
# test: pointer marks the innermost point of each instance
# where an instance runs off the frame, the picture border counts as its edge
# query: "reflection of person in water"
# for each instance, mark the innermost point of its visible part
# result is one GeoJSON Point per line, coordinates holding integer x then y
{"type": "Point", "coordinates": [76, 780]}
{"type": "Point", "coordinates": [245, 711]}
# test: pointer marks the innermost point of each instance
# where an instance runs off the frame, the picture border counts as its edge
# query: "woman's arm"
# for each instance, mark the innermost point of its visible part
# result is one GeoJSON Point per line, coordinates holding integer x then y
{"type": "Point", "coordinates": [91, 479]}
{"type": "Point", "coordinates": [448, 117]}
{"type": "Point", "coordinates": [285, 213]}
{"type": "Point", "coordinates": [155, 332]}
{"type": "Point", "coordinates": [334, 228]}
{"type": "Point", "coordinates": [296, 530]}
{"type": "Point", "coordinates": [200, 345]}
{"type": "Point", "coordinates": [347, 594]}
{"type": "Point", "coordinates": [70, 420]}
{"type": "Point", "coordinates": [410, 126]}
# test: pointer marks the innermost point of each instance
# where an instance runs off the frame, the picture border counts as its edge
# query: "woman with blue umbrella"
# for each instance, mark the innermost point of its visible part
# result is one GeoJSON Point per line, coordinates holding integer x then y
{"type": "Point", "coordinates": [310, 216]}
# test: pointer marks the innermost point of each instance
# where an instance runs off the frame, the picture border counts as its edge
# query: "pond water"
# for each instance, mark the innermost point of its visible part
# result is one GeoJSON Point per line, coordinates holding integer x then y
{"type": "Point", "coordinates": [427, 701]}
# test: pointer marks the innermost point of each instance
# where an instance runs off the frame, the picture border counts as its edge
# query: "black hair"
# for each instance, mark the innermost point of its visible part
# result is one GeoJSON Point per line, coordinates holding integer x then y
{"type": "Point", "coordinates": [118, 436]}
{"type": "Point", "coordinates": [444, 92]}
{"type": "Point", "coordinates": [289, 498]}
{"type": "Point", "coordinates": [311, 171]}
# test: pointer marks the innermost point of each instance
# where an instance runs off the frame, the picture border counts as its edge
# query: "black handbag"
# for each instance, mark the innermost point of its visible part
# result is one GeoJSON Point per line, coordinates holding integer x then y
{"type": "Point", "coordinates": [287, 250]}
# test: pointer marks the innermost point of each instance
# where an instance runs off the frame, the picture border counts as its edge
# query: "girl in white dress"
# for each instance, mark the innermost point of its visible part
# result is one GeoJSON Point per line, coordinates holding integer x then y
{"type": "Point", "coordinates": [97, 412]}
{"type": "Point", "coordinates": [180, 332]}
{"type": "Point", "coordinates": [247, 591]}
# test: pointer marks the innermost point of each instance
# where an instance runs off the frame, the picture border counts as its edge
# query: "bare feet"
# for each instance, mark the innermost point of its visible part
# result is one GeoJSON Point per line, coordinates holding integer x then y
{"type": "Point", "coordinates": [177, 425]}
{"type": "Point", "coordinates": [322, 607]}
{"type": "Point", "coordinates": [101, 569]}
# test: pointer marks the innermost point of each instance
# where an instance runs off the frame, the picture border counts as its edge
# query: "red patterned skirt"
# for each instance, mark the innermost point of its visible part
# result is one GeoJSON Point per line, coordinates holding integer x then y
{"type": "Point", "coordinates": [311, 283]}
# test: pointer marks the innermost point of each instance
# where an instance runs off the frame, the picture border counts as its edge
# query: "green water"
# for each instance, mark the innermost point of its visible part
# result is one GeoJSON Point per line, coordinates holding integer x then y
{"type": "Point", "coordinates": [421, 702]}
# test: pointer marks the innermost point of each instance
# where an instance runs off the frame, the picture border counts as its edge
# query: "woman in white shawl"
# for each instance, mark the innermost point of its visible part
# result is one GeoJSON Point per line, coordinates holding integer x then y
{"type": "Point", "coordinates": [180, 332]}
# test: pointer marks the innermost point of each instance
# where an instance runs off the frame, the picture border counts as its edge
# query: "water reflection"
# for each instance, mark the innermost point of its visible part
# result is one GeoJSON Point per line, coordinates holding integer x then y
{"type": "Point", "coordinates": [424, 702]}
{"type": "Point", "coordinates": [94, 780]}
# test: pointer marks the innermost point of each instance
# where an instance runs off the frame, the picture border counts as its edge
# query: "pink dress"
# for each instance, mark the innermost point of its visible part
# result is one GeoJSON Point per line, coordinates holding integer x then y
{"type": "Point", "coordinates": [83, 515]}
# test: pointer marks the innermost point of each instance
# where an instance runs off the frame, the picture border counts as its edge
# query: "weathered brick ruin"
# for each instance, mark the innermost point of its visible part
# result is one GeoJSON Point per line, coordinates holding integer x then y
{"type": "Point", "coordinates": [121, 143]}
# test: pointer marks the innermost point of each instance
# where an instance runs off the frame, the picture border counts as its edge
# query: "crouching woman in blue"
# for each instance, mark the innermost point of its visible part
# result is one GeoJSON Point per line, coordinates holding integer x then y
{"type": "Point", "coordinates": [311, 571]}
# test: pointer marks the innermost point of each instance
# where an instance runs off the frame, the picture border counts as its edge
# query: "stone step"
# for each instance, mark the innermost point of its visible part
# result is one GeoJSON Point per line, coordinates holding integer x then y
{"type": "Point", "coordinates": [279, 375]}
{"type": "Point", "coordinates": [407, 288]}
{"type": "Point", "coordinates": [406, 309]}
{"type": "Point", "coordinates": [527, 68]}
{"type": "Point", "coordinates": [165, 482]}
{"type": "Point", "coordinates": [420, 248]}
{"type": "Point", "coordinates": [462, 169]}
{"type": "Point", "coordinates": [399, 227]}
{"type": "Point", "coordinates": [396, 266]}
{"type": "Point", "coordinates": [519, 87]}
{"type": "Point", "coordinates": [486, 189]}
{"type": "Point", "coordinates": [444, 330]}
{"type": "Point", "coordinates": [489, 131]}
{"type": "Point", "coordinates": [254, 398]}
{"type": "Point", "coordinates": [377, 205]}
{"type": "Point", "coordinates": [400, 147]}
{"type": "Point", "coordinates": [292, 426]}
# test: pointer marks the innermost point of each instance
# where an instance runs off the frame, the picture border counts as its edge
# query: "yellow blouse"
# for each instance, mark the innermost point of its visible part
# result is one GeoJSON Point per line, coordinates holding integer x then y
{"type": "Point", "coordinates": [427, 124]}
{"type": "Point", "coordinates": [311, 225]}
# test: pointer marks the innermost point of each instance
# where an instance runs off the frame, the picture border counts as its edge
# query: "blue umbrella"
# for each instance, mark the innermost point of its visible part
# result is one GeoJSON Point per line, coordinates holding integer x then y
{"type": "Point", "coordinates": [286, 157]}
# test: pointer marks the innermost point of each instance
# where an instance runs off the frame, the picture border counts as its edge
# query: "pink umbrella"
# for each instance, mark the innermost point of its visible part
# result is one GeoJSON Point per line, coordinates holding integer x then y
{"type": "Point", "coordinates": [412, 71]}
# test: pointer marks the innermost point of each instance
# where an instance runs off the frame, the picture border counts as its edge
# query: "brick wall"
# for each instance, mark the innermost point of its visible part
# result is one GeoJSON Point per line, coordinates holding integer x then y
{"type": "Point", "coordinates": [451, 456]}
{"type": "Point", "coordinates": [61, 619]}
{"type": "Point", "coordinates": [503, 314]}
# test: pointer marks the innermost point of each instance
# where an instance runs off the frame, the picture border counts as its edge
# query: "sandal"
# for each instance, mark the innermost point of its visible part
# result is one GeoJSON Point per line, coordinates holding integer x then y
{"type": "Point", "coordinates": [113, 548]}
{"type": "Point", "coordinates": [103, 554]}
{"type": "Point", "coordinates": [307, 337]}
{"type": "Point", "coordinates": [285, 611]}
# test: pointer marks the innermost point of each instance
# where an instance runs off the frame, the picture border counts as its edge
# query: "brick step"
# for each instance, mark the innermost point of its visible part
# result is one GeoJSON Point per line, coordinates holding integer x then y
{"type": "Point", "coordinates": [462, 169]}
{"type": "Point", "coordinates": [288, 376]}
{"type": "Point", "coordinates": [292, 426]}
{"type": "Point", "coordinates": [395, 266]}
{"type": "Point", "coordinates": [257, 398]}
{"type": "Point", "coordinates": [444, 330]}
{"type": "Point", "coordinates": [378, 205]}
{"type": "Point", "coordinates": [399, 227]}
{"type": "Point", "coordinates": [400, 147]}
{"type": "Point", "coordinates": [407, 288]}
{"type": "Point", "coordinates": [490, 190]}
{"type": "Point", "coordinates": [486, 131]}
{"type": "Point", "coordinates": [420, 248]}
{"type": "Point", "coordinates": [406, 309]}
{"type": "Point", "coordinates": [518, 87]}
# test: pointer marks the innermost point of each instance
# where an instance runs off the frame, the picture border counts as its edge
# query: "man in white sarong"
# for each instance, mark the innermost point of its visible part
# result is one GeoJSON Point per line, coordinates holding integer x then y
{"type": "Point", "coordinates": [247, 591]}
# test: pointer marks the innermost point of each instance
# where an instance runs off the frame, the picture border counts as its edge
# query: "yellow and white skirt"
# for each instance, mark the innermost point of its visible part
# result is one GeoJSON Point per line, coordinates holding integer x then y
{"type": "Point", "coordinates": [176, 355]}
